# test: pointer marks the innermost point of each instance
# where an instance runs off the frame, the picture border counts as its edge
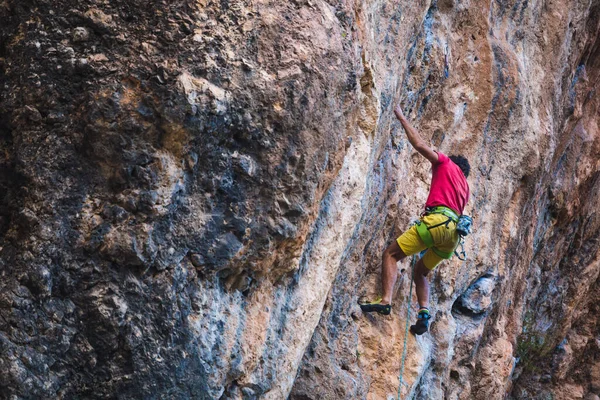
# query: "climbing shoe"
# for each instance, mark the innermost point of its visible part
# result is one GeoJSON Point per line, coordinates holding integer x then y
{"type": "Point", "coordinates": [376, 306]}
{"type": "Point", "coordinates": [422, 322]}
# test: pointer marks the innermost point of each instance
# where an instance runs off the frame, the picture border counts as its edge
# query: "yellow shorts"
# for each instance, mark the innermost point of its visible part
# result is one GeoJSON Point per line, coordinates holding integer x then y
{"type": "Point", "coordinates": [444, 238]}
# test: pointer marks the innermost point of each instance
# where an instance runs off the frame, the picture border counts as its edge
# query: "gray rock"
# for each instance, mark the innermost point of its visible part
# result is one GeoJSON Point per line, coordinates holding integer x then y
{"type": "Point", "coordinates": [478, 297]}
{"type": "Point", "coordinates": [80, 34]}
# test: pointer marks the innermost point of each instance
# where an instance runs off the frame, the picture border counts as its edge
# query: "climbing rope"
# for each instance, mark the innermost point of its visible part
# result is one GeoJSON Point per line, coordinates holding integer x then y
{"type": "Point", "coordinates": [412, 276]}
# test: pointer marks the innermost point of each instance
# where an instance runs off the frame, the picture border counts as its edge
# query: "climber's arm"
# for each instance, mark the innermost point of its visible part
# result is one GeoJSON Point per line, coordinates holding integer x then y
{"type": "Point", "coordinates": [414, 138]}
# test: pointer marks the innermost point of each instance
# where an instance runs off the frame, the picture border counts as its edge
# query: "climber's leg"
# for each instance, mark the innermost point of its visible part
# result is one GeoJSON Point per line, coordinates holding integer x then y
{"type": "Point", "coordinates": [389, 275]}
{"type": "Point", "coordinates": [389, 271]}
{"type": "Point", "coordinates": [407, 244]}
{"type": "Point", "coordinates": [422, 283]}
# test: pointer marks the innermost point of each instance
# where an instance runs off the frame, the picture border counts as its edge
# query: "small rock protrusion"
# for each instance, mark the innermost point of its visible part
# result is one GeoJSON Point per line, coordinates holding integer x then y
{"type": "Point", "coordinates": [477, 299]}
{"type": "Point", "coordinates": [99, 21]}
{"type": "Point", "coordinates": [248, 392]}
{"type": "Point", "coordinates": [149, 49]}
{"type": "Point", "coordinates": [80, 34]}
{"type": "Point", "coordinates": [29, 113]}
{"type": "Point", "coordinates": [197, 260]}
{"type": "Point", "coordinates": [240, 282]}
{"type": "Point", "coordinates": [248, 165]}
{"type": "Point", "coordinates": [27, 218]}
{"type": "Point", "coordinates": [191, 160]}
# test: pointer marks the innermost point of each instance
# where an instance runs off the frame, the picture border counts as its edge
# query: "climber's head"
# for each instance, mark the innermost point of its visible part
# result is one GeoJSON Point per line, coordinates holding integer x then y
{"type": "Point", "coordinates": [462, 163]}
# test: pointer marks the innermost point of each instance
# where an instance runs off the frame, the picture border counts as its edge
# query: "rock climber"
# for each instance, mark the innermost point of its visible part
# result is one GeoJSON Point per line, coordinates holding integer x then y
{"type": "Point", "coordinates": [447, 198]}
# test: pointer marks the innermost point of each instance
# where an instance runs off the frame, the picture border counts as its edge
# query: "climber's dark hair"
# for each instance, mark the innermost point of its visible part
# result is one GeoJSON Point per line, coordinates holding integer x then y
{"type": "Point", "coordinates": [462, 163]}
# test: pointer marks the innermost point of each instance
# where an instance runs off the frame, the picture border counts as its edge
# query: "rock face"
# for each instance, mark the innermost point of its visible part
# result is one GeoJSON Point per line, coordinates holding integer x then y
{"type": "Point", "coordinates": [195, 195]}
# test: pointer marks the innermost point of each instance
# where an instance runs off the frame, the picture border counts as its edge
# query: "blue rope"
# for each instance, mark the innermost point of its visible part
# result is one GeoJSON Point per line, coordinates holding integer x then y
{"type": "Point", "coordinates": [412, 276]}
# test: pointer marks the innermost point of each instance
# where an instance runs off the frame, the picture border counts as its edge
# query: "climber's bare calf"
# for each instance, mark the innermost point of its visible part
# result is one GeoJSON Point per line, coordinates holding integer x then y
{"type": "Point", "coordinates": [422, 283]}
{"type": "Point", "coordinates": [389, 275]}
{"type": "Point", "coordinates": [389, 271]}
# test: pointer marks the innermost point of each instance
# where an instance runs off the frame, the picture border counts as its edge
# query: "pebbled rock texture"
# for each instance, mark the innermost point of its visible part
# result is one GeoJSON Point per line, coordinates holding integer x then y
{"type": "Point", "coordinates": [194, 195]}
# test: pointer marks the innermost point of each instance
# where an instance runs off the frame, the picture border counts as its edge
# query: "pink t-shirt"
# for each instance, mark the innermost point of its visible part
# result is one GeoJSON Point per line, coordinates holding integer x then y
{"type": "Point", "coordinates": [449, 186]}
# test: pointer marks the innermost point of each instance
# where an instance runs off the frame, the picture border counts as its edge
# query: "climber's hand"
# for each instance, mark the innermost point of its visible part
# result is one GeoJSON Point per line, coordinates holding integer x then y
{"type": "Point", "coordinates": [398, 112]}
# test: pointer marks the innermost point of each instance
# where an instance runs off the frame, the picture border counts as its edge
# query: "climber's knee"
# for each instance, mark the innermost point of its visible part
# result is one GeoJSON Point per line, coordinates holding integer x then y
{"type": "Point", "coordinates": [421, 270]}
{"type": "Point", "coordinates": [394, 251]}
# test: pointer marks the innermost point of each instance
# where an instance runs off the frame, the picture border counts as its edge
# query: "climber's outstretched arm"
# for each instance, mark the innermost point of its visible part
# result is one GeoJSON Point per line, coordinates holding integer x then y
{"type": "Point", "coordinates": [413, 137]}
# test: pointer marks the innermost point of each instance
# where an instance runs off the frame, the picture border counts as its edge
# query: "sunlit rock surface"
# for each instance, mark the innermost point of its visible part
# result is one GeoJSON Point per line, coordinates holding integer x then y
{"type": "Point", "coordinates": [194, 195]}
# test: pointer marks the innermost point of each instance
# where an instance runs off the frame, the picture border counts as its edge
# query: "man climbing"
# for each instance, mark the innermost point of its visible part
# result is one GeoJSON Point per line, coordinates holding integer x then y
{"type": "Point", "coordinates": [436, 230]}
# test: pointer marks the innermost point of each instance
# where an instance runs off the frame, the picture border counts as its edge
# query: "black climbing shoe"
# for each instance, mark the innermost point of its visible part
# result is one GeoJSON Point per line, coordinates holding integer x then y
{"type": "Point", "coordinates": [376, 306]}
{"type": "Point", "coordinates": [422, 322]}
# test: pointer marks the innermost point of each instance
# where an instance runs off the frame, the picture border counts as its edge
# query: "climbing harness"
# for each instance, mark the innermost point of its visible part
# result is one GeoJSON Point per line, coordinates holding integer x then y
{"type": "Point", "coordinates": [463, 228]}
{"type": "Point", "coordinates": [412, 277]}
{"type": "Point", "coordinates": [448, 212]}
{"type": "Point", "coordinates": [423, 231]}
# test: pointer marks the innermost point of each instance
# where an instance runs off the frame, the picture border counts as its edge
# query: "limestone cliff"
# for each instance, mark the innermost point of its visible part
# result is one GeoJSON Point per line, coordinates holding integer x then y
{"type": "Point", "coordinates": [195, 195]}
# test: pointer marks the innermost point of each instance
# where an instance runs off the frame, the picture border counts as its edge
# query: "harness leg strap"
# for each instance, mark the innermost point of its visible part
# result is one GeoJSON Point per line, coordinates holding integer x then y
{"type": "Point", "coordinates": [425, 235]}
